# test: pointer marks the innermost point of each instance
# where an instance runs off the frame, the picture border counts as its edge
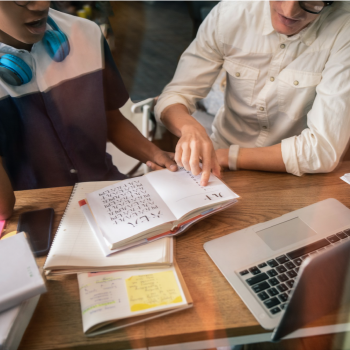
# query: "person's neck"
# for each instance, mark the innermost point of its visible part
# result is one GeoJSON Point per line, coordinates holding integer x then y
{"type": "Point", "coordinates": [9, 40]}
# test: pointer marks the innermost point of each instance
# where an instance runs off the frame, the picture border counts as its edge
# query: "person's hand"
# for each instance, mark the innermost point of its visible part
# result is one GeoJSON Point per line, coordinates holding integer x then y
{"type": "Point", "coordinates": [195, 146]}
{"type": "Point", "coordinates": [222, 156]}
{"type": "Point", "coordinates": [163, 160]}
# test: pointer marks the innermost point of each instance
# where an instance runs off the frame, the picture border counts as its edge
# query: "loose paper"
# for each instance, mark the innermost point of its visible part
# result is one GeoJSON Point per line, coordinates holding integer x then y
{"type": "Point", "coordinates": [346, 178]}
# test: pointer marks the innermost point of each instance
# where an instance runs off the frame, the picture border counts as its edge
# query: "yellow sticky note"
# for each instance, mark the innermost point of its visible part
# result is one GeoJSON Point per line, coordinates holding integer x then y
{"type": "Point", "coordinates": [10, 234]}
{"type": "Point", "coordinates": [150, 291]}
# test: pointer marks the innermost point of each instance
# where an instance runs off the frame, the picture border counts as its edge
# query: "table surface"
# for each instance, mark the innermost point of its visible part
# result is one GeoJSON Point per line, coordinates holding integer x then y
{"type": "Point", "coordinates": [218, 311]}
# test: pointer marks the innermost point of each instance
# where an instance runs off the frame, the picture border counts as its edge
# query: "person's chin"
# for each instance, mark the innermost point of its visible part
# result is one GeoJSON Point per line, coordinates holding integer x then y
{"type": "Point", "coordinates": [31, 39]}
{"type": "Point", "coordinates": [286, 30]}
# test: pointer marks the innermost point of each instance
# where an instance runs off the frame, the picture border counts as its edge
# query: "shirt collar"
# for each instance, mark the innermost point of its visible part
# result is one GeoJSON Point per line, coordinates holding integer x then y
{"type": "Point", "coordinates": [268, 28]}
{"type": "Point", "coordinates": [307, 35]}
{"type": "Point", "coordinates": [9, 49]}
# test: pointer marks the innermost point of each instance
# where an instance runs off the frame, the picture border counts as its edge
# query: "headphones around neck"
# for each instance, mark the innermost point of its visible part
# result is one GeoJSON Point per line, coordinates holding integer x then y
{"type": "Point", "coordinates": [14, 71]}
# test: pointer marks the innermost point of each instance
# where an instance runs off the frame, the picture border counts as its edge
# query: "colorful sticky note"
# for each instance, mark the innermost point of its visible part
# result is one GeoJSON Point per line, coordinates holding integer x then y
{"type": "Point", "coordinates": [10, 234]}
{"type": "Point", "coordinates": [152, 290]}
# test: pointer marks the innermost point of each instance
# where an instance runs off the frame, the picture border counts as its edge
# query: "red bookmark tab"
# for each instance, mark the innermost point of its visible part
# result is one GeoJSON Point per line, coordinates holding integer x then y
{"type": "Point", "coordinates": [82, 202]}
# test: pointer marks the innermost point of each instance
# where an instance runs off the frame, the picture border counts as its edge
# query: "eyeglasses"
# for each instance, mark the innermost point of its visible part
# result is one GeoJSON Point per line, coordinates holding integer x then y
{"type": "Point", "coordinates": [22, 3]}
{"type": "Point", "coordinates": [314, 7]}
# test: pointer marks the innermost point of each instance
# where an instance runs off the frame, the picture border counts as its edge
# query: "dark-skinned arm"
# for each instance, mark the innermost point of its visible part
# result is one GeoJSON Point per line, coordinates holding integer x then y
{"type": "Point", "coordinates": [7, 197]}
{"type": "Point", "coordinates": [125, 136]}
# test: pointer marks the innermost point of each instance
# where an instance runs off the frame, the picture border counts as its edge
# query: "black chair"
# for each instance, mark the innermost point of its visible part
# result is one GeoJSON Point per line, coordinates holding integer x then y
{"type": "Point", "coordinates": [198, 10]}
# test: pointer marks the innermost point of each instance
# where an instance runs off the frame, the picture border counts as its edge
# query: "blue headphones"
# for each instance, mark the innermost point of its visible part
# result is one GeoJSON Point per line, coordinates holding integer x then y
{"type": "Point", "coordinates": [14, 71]}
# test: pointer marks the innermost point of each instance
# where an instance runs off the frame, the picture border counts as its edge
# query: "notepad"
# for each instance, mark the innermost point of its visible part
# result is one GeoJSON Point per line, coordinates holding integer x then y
{"type": "Point", "coordinates": [76, 249]}
{"type": "Point", "coordinates": [115, 300]}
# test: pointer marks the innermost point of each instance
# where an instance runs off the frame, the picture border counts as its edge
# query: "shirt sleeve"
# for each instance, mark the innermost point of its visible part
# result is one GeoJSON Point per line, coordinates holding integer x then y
{"type": "Point", "coordinates": [198, 68]}
{"type": "Point", "coordinates": [319, 147]}
{"type": "Point", "coordinates": [115, 93]}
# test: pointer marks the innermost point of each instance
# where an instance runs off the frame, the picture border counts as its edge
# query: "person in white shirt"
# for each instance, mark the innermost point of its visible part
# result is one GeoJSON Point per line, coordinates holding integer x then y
{"type": "Point", "coordinates": [287, 100]}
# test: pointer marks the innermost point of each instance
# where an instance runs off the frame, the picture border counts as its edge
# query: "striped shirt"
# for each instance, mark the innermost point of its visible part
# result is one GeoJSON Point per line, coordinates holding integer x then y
{"type": "Point", "coordinates": [53, 130]}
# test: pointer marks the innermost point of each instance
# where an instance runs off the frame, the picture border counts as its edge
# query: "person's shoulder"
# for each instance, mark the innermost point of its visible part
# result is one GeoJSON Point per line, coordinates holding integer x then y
{"type": "Point", "coordinates": [235, 16]}
{"type": "Point", "coordinates": [235, 13]}
{"type": "Point", "coordinates": [236, 9]}
{"type": "Point", "coordinates": [335, 27]}
{"type": "Point", "coordinates": [338, 16]}
{"type": "Point", "coordinates": [66, 22]}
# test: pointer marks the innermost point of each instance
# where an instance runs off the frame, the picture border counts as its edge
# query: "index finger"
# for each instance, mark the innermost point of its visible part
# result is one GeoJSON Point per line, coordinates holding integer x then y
{"type": "Point", "coordinates": [206, 166]}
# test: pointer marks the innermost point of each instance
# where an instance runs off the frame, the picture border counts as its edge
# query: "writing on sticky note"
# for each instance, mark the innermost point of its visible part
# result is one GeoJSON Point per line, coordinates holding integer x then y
{"type": "Point", "coordinates": [152, 290]}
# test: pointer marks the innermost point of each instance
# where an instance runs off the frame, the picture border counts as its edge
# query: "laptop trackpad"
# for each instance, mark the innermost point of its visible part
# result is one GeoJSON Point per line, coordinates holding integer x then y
{"type": "Point", "coordinates": [285, 233]}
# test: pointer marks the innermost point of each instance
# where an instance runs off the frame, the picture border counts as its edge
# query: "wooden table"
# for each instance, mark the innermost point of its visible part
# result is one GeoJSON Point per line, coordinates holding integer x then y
{"type": "Point", "coordinates": [218, 312]}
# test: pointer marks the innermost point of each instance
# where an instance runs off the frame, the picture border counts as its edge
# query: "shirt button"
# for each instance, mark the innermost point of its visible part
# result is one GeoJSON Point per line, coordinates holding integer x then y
{"type": "Point", "coordinates": [73, 171]}
{"type": "Point", "coordinates": [272, 79]}
{"type": "Point", "coordinates": [282, 46]}
{"type": "Point", "coordinates": [238, 74]}
{"type": "Point", "coordinates": [296, 82]}
{"type": "Point", "coordinates": [262, 109]}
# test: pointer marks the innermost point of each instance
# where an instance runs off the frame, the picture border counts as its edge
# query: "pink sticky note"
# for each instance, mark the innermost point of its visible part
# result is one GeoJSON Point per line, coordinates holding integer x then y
{"type": "Point", "coordinates": [2, 225]}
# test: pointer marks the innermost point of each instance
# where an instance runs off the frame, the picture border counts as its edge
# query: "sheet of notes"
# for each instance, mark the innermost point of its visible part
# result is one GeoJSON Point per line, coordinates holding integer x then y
{"type": "Point", "coordinates": [108, 296]}
{"type": "Point", "coordinates": [127, 208]}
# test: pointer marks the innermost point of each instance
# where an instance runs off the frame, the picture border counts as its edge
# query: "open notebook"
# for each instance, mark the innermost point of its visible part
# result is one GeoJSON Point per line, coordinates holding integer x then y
{"type": "Point", "coordinates": [76, 248]}
{"type": "Point", "coordinates": [157, 204]}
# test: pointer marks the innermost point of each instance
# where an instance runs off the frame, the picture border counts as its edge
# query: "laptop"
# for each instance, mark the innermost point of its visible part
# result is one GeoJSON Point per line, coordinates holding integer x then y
{"type": "Point", "coordinates": [271, 265]}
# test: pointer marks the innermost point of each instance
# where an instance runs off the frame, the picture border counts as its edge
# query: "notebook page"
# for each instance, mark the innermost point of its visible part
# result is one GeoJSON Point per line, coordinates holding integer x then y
{"type": "Point", "coordinates": [108, 296]}
{"type": "Point", "coordinates": [128, 208]}
{"type": "Point", "coordinates": [182, 192]}
{"type": "Point", "coordinates": [76, 245]}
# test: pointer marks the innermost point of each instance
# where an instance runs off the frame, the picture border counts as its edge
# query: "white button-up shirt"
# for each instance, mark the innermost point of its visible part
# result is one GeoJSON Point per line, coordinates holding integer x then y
{"type": "Point", "coordinates": [294, 90]}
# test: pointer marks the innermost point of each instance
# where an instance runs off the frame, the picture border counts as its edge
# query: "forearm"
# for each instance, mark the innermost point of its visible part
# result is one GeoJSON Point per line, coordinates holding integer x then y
{"type": "Point", "coordinates": [125, 136]}
{"type": "Point", "coordinates": [177, 120]}
{"type": "Point", "coordinates": [7, 197]}
{"type": "Point", "coordinates": [265, 158]}
{"type": "Point", "coordinates": [194, 145]}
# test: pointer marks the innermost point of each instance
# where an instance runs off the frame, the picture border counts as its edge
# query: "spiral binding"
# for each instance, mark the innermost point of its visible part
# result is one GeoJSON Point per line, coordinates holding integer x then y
{"type": "Point", "coordinates": [63, 216]}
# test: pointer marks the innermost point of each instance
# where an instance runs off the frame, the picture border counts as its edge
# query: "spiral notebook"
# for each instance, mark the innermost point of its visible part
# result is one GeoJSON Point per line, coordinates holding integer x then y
{"type": "Point", "coordinates": [76, 249]}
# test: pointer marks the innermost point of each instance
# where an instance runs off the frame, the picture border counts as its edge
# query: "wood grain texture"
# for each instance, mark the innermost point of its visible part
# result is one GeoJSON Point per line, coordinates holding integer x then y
{"type": "Point", "coordinates": [218, 311]}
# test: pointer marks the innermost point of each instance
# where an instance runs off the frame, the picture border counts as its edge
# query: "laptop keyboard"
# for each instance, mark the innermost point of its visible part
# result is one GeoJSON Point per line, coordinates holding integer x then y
{"type": "Point", "coordinates": [271, 281]}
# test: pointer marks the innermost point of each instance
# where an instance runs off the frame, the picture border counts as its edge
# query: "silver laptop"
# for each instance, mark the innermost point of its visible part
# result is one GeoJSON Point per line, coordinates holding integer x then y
{"type": "Point", "coordinates": [262, 262]}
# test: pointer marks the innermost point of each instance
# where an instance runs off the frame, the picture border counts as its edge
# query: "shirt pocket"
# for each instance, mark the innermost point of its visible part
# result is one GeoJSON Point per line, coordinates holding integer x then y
{"type": "Point", "coordinates": [242, 80]}
{"type": "Point", "coordinates": [296, 92]}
